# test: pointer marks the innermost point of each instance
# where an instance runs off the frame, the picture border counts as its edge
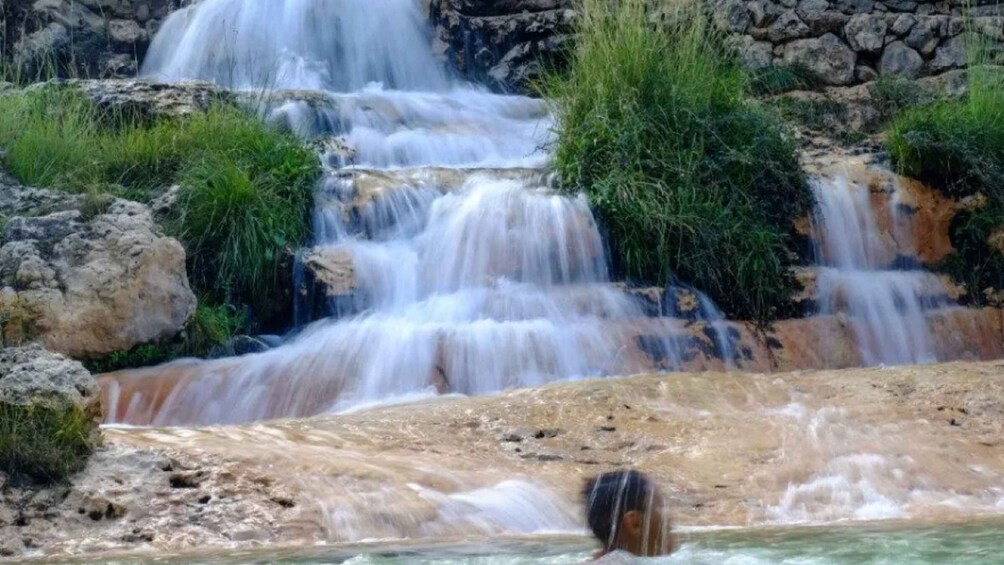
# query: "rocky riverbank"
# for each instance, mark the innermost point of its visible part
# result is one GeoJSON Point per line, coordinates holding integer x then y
{"type": "Point", "coordinates": [732, 449]}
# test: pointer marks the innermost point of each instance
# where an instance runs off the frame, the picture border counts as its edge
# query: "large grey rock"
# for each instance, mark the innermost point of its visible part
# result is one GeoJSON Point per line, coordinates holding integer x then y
{"type": "Point", "coordinates": [89, 285]}
{"type": "Point", "coordinates": [788, 26]}
{"type": "Point", "coordinates": [152, 99]}
{"type": "Point", "coordinates": [951, 55]}
{"type": "Point", "coordinates": [753, 54]}
{"type": "Point", "coordinates": [899, 60]}
{"type": "Point", "coordinates": [827, 57]}
{"type": "Point", "coordinates": [900, 5]}
{"type": "Point", "coordinates": [855, 6]}
{"type": "Point", "coordinates": [924, 36]}
{"type": "Point", "coordinates": [821, 23]}
{"type": "Point", "coordinates": [903, 24]}
{"type": "Point", "coordinates": [866, 32]}
{"type": "Point", "coordinates": [32, 376]}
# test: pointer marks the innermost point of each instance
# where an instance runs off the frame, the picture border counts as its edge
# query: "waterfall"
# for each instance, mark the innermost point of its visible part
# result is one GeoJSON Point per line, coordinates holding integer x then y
{"type": "Point", "coordinates": [335, 45]}
{"type": "Point", "coordinates": [887, 307]}
{"type": "Point", "coordinates": [470, 274]}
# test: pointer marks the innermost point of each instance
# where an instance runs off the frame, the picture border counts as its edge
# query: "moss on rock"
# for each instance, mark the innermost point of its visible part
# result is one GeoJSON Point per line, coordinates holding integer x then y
{"type": "Point", "coordinates": [50, 409]}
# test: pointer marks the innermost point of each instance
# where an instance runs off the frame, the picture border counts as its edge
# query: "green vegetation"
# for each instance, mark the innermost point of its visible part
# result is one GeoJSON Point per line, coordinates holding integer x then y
{"type": "Point", "coordinates": [893, 95]}
{"type": "Point", "coordinates": [209, 328]}
{"type": "Point", "coordinates": [245, 189]}
{"type": "Point", "coordinates": [689, 174]}
{"type": "Point", "coordinates": [957, 146]}
{"type": "Point", "coordinates": [775, 80]}
{"type": "Point", "coordinates": [43, 443]}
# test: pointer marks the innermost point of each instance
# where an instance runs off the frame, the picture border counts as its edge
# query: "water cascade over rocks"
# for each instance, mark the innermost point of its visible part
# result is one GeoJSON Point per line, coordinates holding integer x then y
{"type": "Point", "coordinates": [464, 271]}
{"type": "Point", "coordinates": [872, 275]}
{"type": "Point", "coordinates": [443, 259]}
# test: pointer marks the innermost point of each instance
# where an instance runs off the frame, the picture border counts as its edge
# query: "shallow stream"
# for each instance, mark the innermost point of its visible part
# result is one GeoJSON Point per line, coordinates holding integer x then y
{"type": "Point", "coordinates": [960, 543]}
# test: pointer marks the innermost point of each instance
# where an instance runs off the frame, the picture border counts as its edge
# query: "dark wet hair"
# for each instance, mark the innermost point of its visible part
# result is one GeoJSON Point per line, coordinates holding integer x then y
{"type": "Point", "coordinates": [611, 495]}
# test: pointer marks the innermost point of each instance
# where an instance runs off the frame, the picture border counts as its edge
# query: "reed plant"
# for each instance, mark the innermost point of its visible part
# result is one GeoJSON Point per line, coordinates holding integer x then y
{"type": "Point", "coordinates": [690, 175]}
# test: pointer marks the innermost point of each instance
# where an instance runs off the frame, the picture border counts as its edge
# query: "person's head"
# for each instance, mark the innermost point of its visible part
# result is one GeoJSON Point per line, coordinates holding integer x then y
{"type": "Point", "coordinates": [624, 511]}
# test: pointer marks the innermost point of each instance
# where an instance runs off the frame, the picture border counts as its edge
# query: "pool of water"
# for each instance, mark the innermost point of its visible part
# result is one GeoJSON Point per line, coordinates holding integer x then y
{"type": "Point", "coordinates": [960, 544]}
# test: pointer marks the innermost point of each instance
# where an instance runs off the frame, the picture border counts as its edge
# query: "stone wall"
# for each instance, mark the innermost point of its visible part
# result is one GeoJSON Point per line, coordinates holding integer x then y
{"type": "Point", "coordinates": [501, 43]}
{"type": "Point", "coordinates": [841, 42]}
{"type": "Point", "coordinates": [80, 38]}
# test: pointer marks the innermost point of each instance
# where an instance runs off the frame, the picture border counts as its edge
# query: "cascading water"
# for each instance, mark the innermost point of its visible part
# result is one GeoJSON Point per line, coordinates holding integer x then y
{"type": "Point", "coordinates": [469, 274]}
{"type": "Point", "coordinates": [886, 307]}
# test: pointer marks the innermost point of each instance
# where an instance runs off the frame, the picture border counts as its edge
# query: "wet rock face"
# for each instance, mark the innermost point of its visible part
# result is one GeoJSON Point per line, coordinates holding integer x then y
{"type": "Point", "coordinates": [501, 43]}
{"type": "Point", "coordinates": [88, 279]}
{"type": "Point", "coordinates": [92, 38]}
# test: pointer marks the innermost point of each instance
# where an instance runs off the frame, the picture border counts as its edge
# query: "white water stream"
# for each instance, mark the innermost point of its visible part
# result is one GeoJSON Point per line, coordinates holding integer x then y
{"type": "Point", "coordinates": [887, 307]}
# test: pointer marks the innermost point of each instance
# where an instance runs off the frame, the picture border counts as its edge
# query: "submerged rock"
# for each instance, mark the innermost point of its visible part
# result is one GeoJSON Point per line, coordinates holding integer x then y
{"type": "Point", "coordinates": [88, 284]}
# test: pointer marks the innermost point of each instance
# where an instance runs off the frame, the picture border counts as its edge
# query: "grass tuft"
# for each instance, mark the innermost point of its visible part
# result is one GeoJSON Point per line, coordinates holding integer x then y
{"type": "Point", "coordinates": [45, 444]}
{"type": "Point", "coordinates": [692, 177]}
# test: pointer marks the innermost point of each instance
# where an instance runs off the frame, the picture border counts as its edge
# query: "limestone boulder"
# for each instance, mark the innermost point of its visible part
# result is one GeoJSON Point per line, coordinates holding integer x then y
{"type": "Point", "coordinates": [827, 57]}
{"type": "Point", "coordinates": [88, 284]}
{"type": "Point", "coordinates": [147, 98]}
{"type": "Point", "coordinates": [788, 26]}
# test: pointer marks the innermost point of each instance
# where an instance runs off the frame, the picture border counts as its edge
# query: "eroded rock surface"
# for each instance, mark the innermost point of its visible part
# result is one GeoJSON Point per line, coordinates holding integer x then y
{"type": "Point", "coordinates": [735, 449]}
{"type": "Point", "coordinates": [87, 283]}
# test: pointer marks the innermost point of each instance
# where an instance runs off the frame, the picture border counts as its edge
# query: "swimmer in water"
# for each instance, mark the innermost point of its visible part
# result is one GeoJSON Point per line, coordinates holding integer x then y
{"type": "Point", "coordinates": [624, 510]}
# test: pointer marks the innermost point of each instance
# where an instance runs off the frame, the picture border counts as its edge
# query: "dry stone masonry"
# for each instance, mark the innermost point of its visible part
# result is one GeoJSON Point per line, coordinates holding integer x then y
{"type": "Point", "coordinates": [840, 42]}
{"type": "Point", "coordinates": [843, 42]}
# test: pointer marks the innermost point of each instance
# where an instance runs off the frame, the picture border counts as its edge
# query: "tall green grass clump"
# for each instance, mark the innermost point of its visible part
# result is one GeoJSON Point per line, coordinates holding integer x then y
{"type": "Point", "coordinates": [957, 146]}
{"type": "Point", "coordinates": [43, 443]}
{"type": "Point", "coordinates": [691, 176]}
{"type": "Point", "coordinates": [245, 188]}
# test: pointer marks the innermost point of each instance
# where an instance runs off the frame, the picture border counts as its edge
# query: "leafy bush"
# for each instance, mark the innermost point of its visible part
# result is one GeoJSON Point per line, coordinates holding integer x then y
{"type": "Point", "coordinates": [44, 443]}
{"type": "Point", "coordinates": [690, 175]}
{"type": "Point", "coordinates": [245, 188]}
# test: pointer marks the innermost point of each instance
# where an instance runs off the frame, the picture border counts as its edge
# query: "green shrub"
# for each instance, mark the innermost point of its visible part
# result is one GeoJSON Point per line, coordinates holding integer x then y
{"type": "Point", "coordinates": [690, 175]}
{"type": "Point", "coordinates": [46, 444]}
{"type": "Point", "coordinates": [246, 189]}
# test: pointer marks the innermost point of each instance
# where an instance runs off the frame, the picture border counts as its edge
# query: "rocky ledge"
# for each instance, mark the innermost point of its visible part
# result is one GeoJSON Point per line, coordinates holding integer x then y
{"type": "Point", "coordinates": [87, 276]}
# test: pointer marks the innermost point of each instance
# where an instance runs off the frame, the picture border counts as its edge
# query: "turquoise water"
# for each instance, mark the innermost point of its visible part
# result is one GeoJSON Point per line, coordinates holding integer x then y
{"type": "Point", "coordinates": [959, 544]}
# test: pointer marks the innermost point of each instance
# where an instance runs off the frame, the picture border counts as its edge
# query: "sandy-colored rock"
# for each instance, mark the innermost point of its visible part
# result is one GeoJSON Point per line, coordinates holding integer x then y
{"type": "Point", "coordinates": [94, 285]}
{"type": "Point", "coordinates": [729, 449]}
